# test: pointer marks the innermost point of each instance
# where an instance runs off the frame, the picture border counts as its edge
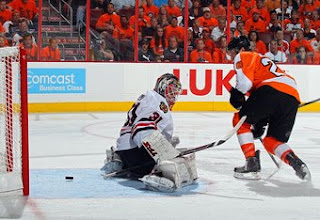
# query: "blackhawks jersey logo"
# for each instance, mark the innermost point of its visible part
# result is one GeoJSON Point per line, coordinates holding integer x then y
{"type": "Point", "coordinates": [163, 107]}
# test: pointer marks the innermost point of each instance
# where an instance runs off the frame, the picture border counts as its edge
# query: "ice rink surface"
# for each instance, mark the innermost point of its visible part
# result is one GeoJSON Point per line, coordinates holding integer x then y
{"type": "Point", "coordinates": [74, 145]}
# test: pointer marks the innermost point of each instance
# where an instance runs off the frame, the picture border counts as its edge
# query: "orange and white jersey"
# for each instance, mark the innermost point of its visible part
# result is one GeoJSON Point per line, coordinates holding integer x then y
{"type": "Point", "coordinates": [254, 70]}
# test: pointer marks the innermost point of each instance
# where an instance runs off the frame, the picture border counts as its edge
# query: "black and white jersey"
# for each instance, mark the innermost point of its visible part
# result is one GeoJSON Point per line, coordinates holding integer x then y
{"type": "Point", "coordinates": [150, 112]}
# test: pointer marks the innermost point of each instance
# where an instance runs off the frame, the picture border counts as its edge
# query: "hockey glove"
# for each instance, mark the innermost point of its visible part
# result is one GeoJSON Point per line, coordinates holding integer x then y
{"type": "Point", "coordinates": [259, 128]}
{"type": "Point", "coordinates": [237, 98]}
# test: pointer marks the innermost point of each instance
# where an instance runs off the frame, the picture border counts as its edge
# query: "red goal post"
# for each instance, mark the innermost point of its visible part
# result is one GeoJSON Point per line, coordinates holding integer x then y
{"type": "Point", "coordinates": [14, 155]}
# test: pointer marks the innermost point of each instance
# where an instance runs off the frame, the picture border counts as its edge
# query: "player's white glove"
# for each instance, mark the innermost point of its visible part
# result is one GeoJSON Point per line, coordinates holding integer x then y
{"type": "Point", "coordinates": [175, 140]}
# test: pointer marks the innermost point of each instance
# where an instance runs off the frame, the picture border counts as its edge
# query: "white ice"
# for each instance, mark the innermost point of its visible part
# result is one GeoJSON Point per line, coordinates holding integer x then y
{"type": "Point", "coordinates": [74, 145]}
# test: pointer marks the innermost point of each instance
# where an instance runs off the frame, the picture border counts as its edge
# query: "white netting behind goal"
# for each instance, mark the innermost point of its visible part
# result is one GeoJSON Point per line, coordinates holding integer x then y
{"type": "Point", "coordinates": [10, 120]}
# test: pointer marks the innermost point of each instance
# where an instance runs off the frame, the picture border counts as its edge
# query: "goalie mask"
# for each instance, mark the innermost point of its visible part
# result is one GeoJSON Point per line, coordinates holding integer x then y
{"type": "Point", "coordinates": [168, 86]}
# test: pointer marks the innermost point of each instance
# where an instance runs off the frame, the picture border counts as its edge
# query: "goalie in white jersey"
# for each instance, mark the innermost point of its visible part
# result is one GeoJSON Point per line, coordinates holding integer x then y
{"type": "Point", "coordinates": [146, 141]}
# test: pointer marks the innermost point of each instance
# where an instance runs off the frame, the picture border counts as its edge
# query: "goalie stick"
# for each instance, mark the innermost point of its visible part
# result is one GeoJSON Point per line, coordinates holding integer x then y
{"type": "Point", "coordinates": [189, 151]}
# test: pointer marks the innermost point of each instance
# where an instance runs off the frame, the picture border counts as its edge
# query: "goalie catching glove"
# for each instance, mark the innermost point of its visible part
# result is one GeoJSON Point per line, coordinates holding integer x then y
{"type": "Point", "coordinates": [237, 98]}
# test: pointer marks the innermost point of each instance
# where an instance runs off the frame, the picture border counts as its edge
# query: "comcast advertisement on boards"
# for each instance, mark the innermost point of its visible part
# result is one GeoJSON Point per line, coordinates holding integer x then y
{"type": "Point", "coordinates": [56, 80]}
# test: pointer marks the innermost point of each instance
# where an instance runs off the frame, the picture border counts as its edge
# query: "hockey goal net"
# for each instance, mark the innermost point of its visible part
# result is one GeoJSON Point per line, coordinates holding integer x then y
{"type": "Point", "coordinates": [14, 166]}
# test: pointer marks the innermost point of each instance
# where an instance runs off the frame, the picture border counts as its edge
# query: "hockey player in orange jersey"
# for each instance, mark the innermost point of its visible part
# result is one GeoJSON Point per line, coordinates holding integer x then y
{"type": "Point", "coordinates": [273, 99]}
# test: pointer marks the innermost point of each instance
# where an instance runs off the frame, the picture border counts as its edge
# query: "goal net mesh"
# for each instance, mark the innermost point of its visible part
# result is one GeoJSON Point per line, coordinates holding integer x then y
{"type": "Point", "coordinates": [10, 121]}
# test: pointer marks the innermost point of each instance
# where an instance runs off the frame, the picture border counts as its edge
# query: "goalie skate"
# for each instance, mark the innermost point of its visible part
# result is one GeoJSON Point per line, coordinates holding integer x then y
{"type": "Point", "coordinates": [251, 170]}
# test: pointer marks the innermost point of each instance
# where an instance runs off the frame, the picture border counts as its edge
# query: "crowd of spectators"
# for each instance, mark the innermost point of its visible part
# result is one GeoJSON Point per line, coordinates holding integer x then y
{"type": "Point", "coordinates": [287, 31]}
{"type": "Point", "coordinates": [19, 27]}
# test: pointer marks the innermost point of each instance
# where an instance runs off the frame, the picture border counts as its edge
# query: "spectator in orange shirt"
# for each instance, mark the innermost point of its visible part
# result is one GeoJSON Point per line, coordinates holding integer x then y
{"type": "Point", "coordinates": [151, 7]}
{"type": "Point", "coordinates": [30, 47]}
{"type": "Point", "coordinates": [199, 55]}
{"type": "Point", "coordinates": [248, 4]}
{"type": "Point", "coordinates": [301, 56]}
{"type": "Point", "coordinates": [264, 13]}
{"type": "Point", "coordinates": [124, 31]}
{"type": "Point", "coordinates": [217, 10]}
{"type": "Point", "coordinates": [210, 45]}
{"type": "Point", "coordinates": [272, 4]}
{"type": "Point", "coordinates": [27, 8]}
{"type": "Point", "coordinates": [239, 11]}
{"type": "Point", "coordinates": [315, 22]}
{"type": "Point", "coordinates": [172, 9]}
{"type": "Point", "coordinates": [255, 23]}
{"type": "Point", "coordinates": [307, 8]}
{"type": "Point", "coordinates": [2, 30]}
{"type": "Point", "coordinates": [206, 20]}
{"type": "Point", "coordinates": [108, 21]}
{"type": "Point", "coordinates": [260, 46]}
{"type": "Point", "coordinates": [159, 43]}
{"type": "Point", "coordinates": [174, 30]}
{"type": "Point", "coordinates": [125, 34]}
{"type": "Point", "coordinates": [220, 55]}
{"type": "Point", "coordinates": [5, 14]}
{"type": "Point", "coordinates": [143, 20]}
{"type": "Point", "coordinates": [51, 52]}
{"type": "Point", "coordinates": [300, 41]}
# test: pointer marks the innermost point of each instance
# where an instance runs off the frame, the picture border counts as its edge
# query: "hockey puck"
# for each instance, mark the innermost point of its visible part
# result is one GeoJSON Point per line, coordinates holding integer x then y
{"type": "Point", "coordinates": [69, 177]}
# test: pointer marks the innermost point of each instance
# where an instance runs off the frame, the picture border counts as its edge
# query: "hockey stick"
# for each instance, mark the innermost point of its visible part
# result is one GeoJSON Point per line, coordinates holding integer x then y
{"type": "Point", "coordinates": [215, 143]}
{"type": "Point", "coordinates": [271, 156]}
{"type": "Point", "coordinates": [308, 103]}
{"type": "Point", "coordinates": [189, 151]}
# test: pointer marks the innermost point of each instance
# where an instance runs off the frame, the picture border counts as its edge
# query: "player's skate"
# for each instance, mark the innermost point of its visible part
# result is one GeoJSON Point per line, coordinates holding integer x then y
{"type": "Point", "coordinates": [300, 167]}
{"type": "Point", "coordinates": [113, 162]}
{"type": "Point", "coordinates": [251, 170]}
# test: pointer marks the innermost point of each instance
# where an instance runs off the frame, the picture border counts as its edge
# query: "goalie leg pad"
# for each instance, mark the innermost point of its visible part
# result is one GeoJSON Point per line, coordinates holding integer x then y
{"type": "Point", "coordinates": [159, 147]}
{"type": "Point", "coordinates": [182, 170]}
